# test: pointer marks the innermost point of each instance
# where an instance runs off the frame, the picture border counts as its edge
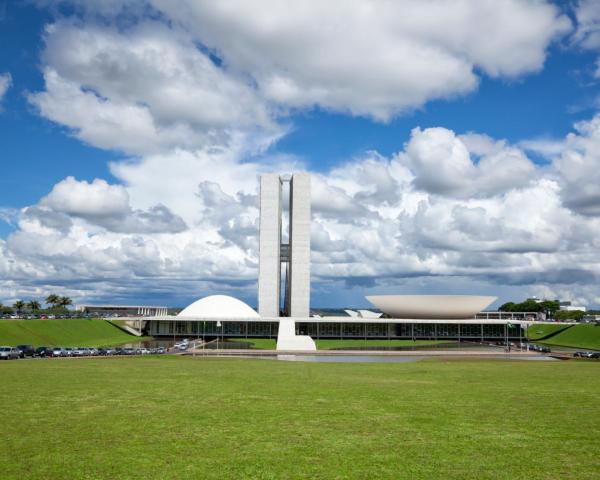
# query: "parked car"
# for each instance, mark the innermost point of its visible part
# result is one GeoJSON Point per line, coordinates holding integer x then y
{"type": "Point", "coordinates": [26, 350]}
{"type": "Point", "coordinates": [583, 354]}
{"type": "Point", "coordinates": [128, 351]}
{"type": "Point", "coordinates": [68, 351]}
{"type": "Point", "coordinates": [41, 351]}
{"type": "Point", "coordinates": [93, 351]}
{"type": "Point", "coordinates": [9, 353]}
{"type": "Point", "coordinates": [59, 352]}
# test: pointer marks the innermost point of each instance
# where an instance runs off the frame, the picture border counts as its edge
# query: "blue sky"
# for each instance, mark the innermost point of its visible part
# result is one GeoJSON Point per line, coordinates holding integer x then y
{"type": "Point", "coordinates": [300, 114]}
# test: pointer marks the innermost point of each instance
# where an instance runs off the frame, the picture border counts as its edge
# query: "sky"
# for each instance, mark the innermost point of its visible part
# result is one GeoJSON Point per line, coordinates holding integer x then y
{"type": "Point", "coordinates": [454, 146]}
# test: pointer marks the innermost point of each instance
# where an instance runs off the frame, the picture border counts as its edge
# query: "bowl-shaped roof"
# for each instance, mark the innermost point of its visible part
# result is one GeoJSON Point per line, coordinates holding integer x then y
{"type": "Point", "coordinates": [431, 306]}
{"type": "Point", "coordinates": [219, 306]}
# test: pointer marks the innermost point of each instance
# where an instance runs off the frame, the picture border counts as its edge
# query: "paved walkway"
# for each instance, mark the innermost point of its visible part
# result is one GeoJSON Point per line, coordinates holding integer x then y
{"type": "Point", "coordinates": [471, 352]}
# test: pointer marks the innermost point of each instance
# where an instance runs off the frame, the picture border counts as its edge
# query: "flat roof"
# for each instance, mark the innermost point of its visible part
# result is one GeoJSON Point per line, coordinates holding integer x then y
{"type": "Point", "coordinates": [340, 319]}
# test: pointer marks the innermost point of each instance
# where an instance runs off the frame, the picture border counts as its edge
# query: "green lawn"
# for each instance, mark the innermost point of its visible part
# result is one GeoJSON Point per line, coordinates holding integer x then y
{"type": "Point", "coordinates": [578, 336]}
{"type": "Point", "coordinates": [328, 344]}
{"type": "Point", "coordinates": [63, 332]}
{"type": "Point", "coordinates": [217, 418]}
{"type": "Point", "coordinates": [539, 331]}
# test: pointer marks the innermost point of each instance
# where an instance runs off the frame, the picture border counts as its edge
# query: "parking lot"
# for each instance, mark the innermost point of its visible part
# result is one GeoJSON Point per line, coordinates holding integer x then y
{"type": "Point", "coordinates": [29, 351]}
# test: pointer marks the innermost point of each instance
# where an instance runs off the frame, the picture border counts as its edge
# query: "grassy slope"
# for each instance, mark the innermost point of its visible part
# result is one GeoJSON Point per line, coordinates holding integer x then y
{"type": "Point", "coordinates": [578, 336]}
{"type": "Point", "coordinates": [63, 332]}
{"type": "Point", "coordinates": [536, 332]}
{"type": "Point", "coordinates": [328, 344]}
{"type": "Point", "coordinates": [214, 418]}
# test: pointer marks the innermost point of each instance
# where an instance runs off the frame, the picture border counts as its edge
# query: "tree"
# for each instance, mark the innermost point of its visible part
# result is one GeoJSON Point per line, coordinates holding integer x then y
{"type": "Point", "coordinates": [550, 306]}
{"type": "Point", "coordinates": [52, 299]}
{"type": "Point", "coordinates": [64, 302]}
{"type": "Point", "coordinates": [507, 307]}
{"type": "Point", "coordinates": [19, 305]}
{"type": "Point", "coordinates": [33, 305]}
{"type": "Point", "coordinates": [576, 315]}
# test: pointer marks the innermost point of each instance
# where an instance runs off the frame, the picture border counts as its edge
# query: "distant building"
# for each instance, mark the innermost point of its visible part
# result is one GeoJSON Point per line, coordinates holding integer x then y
{"type": "Point", "coordinates": [122, 310]}
{"type": "Point", "coordinates": [568, 307]}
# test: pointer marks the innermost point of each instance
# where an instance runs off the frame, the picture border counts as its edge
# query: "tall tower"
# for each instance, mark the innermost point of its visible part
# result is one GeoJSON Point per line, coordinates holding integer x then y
{"type": "Point", "coordinates": [272, 252]}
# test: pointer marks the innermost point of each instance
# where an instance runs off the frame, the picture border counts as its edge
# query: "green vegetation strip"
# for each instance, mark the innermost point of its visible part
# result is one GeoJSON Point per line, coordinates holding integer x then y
{"type": "Point", "coordinates": [216, 418]}
{"type": "Point", "coordinates": [578, 336]}
{"type": "Point", "coordinates": [540, 331]}
{"type": "Point", "coordinates": [328, 344]}
{"type": "Point", "coordinates": [63, 333]}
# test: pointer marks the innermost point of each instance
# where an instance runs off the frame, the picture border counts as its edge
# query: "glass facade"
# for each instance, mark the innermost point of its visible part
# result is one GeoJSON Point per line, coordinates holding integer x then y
{"type": "Point", "coordinates": [431, 331]}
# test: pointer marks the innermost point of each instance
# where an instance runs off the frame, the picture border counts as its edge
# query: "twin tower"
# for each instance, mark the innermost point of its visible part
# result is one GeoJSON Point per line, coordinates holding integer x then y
{"type": "Point", "coordinates": [275, 253]}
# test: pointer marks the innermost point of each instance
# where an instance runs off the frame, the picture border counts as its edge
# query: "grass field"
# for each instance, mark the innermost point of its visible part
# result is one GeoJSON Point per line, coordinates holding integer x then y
{"type": "Point", "coordinates": [63, 332]}
{"type": "Point", "coordinates": [539, 331]}
{"type": "Point", "coordinates": [578, 336]}
{"type": "Point", "coordinates": [215, 418]}
{"type": "Point", "coordinates": [328, 344]}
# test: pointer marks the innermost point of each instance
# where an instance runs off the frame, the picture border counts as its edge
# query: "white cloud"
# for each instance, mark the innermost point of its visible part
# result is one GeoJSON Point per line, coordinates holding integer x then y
{"type": "Point", "coordinates": [5, 84]}
{"type": "Point", "coordinates": [578, 167]}
{"type": "Point", "coordinates": [367, 58]}
{"type": "Point", "coordinates": [146, 90]}
{"type": "Point", "coordinates": [374, 223]}
{"type": "Point", "coordinates": [192, 96]}
{"type": "Point", "coordinates": [376, 59]}
{"type": "Point", "coordinates": [443, 164]}
{"type": "Point", "coordinates": [587, 34]}
{"type": "Point", "coordinates": [103, 205]}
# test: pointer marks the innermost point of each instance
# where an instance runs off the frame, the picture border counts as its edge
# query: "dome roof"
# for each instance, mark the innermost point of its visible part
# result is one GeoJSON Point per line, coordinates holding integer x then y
{"type": "Point", "coordinates": [218, 306]}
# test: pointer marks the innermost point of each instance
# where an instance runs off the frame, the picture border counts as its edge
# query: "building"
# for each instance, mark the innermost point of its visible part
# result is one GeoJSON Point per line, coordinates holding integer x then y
{"type": "Point", "coordinates": [569, 307]}
{"type": "Point", "coordinates": [293, 256]}
{"type": "Point", "coordinates": [284, 268]}
{"type": "Point", "coordinates": [122, 310]}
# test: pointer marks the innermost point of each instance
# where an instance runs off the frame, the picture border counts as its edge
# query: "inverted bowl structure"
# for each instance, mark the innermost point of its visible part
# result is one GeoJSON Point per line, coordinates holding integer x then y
{"type": "Point", "coordinates": [431, 306]}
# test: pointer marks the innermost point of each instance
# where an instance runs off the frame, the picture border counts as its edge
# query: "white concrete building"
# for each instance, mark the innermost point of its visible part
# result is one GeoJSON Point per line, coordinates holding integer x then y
{"type": "Point", "coordinates": [294, 255]}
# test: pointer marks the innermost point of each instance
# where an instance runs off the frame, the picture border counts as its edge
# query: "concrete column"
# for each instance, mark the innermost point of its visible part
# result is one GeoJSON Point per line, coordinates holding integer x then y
{"type": "Point", "coordinates": [269, 268]}
{"type": "Point", "coordinates": [300, 245]}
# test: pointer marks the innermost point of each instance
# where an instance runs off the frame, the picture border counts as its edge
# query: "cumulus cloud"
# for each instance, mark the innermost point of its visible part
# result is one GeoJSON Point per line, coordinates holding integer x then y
{"type": "Point", "coordinates": [103, 205]}
{"type": "Point", "coordinates": [374, 59]}
{"type": "Point", "coordinates": [578, 167]}
{"type": "Point", "coordinates": [196, 94]}
{"type": "Point", "coordinates": [145, 90]}
{"type": "Point", "coordinates": [369, 58]}
{"type": "Point", "coordinates": [443, 164]}
{"type": "Point", "coordinates": [375, 222]}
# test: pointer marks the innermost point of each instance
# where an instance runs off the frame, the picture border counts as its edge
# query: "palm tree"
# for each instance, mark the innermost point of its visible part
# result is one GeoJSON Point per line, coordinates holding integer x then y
{"type": "Point", "coordinates": [19, 305]}
{"type": "Point", "coordinates": [33, 305]}
{"type": "Point", "coordinates": [64, 302]}
{"type": "Point", "coordinates": [52, 299]}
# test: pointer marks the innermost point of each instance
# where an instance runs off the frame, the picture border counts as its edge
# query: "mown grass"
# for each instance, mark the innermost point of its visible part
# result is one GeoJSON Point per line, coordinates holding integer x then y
{"type": "Point", "coordinates": [63, 332]}
{"type": "Point", "coordinates": [578, 336]}
{"type": "Point", "coordinates": [215, 418]}
{"type": "Point", "coordinates": [539, 331]}
{"type": "Point", "coordinates": [328, 344]}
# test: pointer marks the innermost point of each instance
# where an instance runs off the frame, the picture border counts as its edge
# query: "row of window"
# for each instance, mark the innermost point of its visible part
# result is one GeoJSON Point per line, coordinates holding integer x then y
{"type": "Point", "coordinates": [336, 330]}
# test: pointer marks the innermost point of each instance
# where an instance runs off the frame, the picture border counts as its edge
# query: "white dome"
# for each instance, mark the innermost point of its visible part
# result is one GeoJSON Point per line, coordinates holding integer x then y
{"type": "Point", "coordinates": [218, 306]}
